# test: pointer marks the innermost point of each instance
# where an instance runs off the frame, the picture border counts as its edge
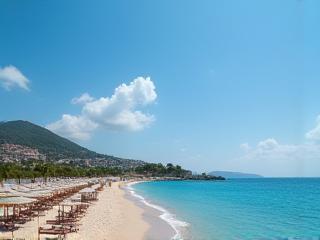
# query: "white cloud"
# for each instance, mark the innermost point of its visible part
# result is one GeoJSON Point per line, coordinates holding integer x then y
{"type": "Point", "coordinates": [269, 148]}
{"type": "Point", "coordinates": [268, 144]}
{"type": "Point", "coordinates": [75, 127]}
{"type": "Point", "coordinates": [314, 134]}
{"type": "Point", "coordinates": [118, 112]}
{"type": "Point", "coordinates": [271, 158]}
{"type": "Point", "coordinates": [11, 77]}
{"type": "Point", "coordinates": [83, 99]}
{"type": "Point", "coordinates": [245, 146]}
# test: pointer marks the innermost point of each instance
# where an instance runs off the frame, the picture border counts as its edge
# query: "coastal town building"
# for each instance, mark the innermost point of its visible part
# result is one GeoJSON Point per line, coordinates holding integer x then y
{"type": "Point", "coordinates": [17, 153]}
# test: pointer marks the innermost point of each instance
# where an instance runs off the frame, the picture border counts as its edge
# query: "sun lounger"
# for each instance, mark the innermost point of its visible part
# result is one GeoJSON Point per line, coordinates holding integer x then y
{"type": "Point", "coordinates": [53, 230]}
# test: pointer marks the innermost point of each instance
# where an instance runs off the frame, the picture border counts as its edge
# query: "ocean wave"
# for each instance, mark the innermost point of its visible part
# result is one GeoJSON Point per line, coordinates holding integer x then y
{"type": "Point", "coordinates": [165, 214]}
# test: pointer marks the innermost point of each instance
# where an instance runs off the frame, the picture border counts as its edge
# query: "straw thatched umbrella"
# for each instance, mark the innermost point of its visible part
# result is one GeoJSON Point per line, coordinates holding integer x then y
{"type": "Point", "coordinates": [12, 203]}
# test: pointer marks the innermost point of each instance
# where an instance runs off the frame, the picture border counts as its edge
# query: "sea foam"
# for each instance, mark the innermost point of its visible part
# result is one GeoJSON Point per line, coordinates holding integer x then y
{"type": "Point", "coordinates": [165, 214]}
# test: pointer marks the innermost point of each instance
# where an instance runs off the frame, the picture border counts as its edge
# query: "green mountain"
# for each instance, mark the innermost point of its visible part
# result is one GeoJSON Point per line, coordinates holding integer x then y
{"type": "Point", "coordinates": [55, 147]}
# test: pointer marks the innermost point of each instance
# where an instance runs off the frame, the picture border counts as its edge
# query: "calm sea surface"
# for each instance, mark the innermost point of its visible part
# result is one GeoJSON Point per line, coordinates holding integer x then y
{"type": "Point", "coordinates": [268, 208]}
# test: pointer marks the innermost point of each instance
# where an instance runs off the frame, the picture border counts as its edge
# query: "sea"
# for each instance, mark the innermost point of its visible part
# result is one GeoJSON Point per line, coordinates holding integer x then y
{"type": "Point", "coordinates": [262, 208]}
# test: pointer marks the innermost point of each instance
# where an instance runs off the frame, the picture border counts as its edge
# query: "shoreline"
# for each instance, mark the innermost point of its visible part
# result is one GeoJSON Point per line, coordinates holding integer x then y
{"type": "Point", "coordinates": [162, 214]}
{"type": "Point", "coordinates": [158, 229]}
{"type": "Point", "coordinates": [118, 214]}
{"type": "Point", "coordinates": [112, 217]}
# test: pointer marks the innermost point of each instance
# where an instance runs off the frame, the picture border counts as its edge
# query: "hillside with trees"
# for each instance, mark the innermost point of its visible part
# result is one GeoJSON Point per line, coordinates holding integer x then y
{"type": "Point", "coordinates": [159, 170]}
{"type": "Point", "coordinates": [28, 151]}
{"type": "Point", "coordinates": [53, 147]}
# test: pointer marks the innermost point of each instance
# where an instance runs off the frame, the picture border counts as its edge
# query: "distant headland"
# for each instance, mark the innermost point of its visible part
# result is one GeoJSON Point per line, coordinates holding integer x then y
{"type": "Point", "coordinates": [227, 174]}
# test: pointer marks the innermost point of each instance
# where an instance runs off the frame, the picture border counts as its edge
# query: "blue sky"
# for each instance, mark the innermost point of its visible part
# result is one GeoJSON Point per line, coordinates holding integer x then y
{"type": "Point", "coordinates": [233, 84]}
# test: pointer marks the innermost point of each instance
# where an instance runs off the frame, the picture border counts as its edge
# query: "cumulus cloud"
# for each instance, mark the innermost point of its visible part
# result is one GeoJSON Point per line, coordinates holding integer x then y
{"type": "Point", "coordinates": [314, 134]}
{"type": "Point", "coordinates": [270, 149]}
{"type": "Point", "coordinates": [83, 99]}
{"type": "Point", "coordinates": [245, 147]}
{"type": "Point", "coordinates": [272, 158]}
{"type": "Point", "coordinates": [118, 112]}
{"type": "Point", "coordinates": [11, 77]}
{"type": "Point", "coordinates": [268, 144]}
{"type": "Point", "coordinates": [75, 127]}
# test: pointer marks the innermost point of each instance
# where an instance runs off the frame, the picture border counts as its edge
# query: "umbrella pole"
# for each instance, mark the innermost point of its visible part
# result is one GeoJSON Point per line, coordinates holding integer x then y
{"type": "Point", "coordinates": [38, 225]}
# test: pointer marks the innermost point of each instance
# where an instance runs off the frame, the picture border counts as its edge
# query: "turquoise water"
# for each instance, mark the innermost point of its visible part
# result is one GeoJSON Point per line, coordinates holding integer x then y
{"type": "Point", "coordinates": [242, 208]}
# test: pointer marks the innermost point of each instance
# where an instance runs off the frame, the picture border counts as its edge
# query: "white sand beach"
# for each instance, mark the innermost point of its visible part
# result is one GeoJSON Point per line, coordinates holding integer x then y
{"type": "Point", "coordinates": [112, 217]}
{"type": "Point", "coordinates": [29, 230]}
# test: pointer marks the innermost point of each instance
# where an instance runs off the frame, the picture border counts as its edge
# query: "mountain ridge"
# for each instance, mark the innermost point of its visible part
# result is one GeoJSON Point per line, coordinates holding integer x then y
{"type": "Point", "coordinates": [55, 147]}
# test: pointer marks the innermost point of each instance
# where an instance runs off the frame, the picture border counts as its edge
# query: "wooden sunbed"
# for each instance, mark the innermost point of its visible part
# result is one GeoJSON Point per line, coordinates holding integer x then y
{"type": "Point", "coordinates": [8, 226]}
{"type": "Point", "coordinates": [59, 221]}
{"type": "Point", "coordinates": [54, 230]}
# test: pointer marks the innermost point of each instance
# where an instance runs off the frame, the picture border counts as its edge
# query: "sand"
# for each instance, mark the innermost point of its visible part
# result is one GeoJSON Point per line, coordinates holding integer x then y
{"type": "Point", "coordinates": [117, 215]}
{"type": "Point", "coordinates": [112, 217]}
{"type": "Point", "coordinates": [29, 230]}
